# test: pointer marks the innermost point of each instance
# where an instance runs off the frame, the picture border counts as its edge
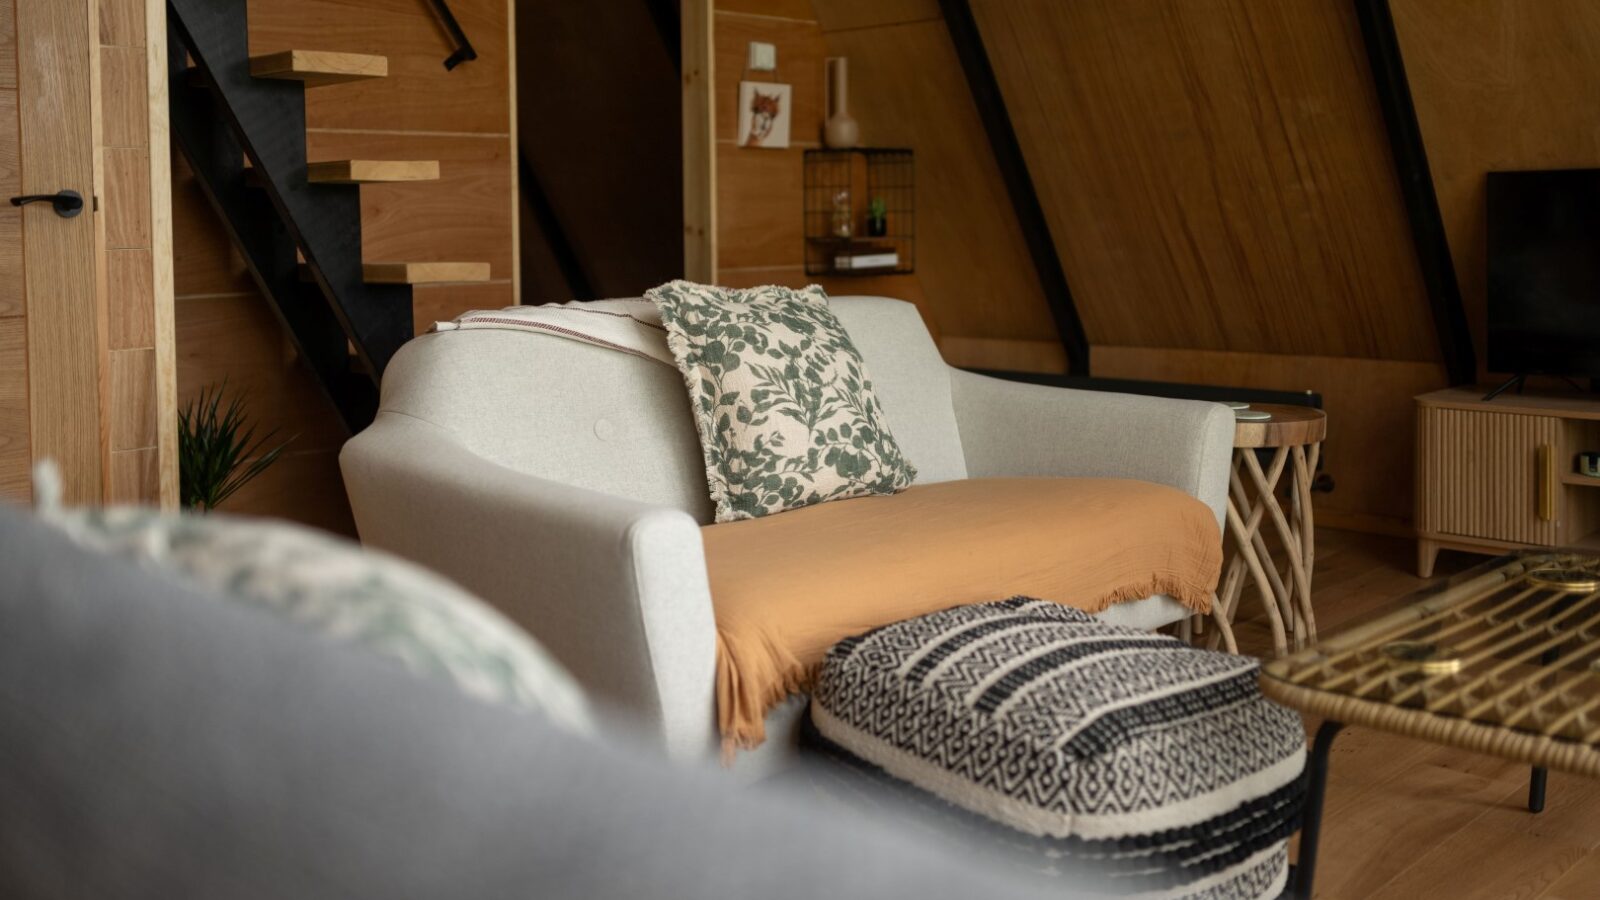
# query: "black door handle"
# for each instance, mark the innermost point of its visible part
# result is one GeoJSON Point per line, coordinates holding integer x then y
{"type": "Point", "coordinates": [66, 204]}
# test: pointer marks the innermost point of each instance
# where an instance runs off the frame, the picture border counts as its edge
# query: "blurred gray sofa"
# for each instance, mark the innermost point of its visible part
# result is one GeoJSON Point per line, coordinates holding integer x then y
{"type": "Point", "coordinates": [156, 742]}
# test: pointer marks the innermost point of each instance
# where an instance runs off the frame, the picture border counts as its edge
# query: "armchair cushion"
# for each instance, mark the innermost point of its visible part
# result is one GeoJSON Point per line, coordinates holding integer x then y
{"type": "Point", "coordinates": [786, 588]}
{"type": "Point", "coordinates": [780, 397]}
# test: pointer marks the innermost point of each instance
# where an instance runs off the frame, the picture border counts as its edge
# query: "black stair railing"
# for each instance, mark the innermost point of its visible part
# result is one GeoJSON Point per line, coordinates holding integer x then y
{"type": "Point", "coordinates": [221, 116]}
{"type": "Point", "coordinates": [463, 50]}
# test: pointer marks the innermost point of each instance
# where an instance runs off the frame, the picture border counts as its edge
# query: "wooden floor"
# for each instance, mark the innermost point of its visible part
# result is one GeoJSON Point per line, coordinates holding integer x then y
{"type": "Point", "coordinates": [1407, 820]}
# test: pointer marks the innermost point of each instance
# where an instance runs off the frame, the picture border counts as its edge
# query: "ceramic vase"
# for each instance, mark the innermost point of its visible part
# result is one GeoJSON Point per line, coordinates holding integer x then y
{"type": "Point", "coordinates": [840, 131]}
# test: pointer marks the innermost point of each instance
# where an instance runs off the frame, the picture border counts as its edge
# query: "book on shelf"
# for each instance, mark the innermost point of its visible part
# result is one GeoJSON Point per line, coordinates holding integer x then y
{"type": "Point", "coordinates": [881, 260]}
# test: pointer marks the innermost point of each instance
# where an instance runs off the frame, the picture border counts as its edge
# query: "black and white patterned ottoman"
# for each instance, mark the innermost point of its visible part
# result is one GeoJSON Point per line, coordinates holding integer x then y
{"type": "Point", "coordinates": [1125, 759]}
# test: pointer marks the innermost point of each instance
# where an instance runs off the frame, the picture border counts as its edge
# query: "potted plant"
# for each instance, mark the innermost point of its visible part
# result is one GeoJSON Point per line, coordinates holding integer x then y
{"type": "Point", "coordinates": [877, 217]}
{"type": "Point", "coordinates": [218, 452]}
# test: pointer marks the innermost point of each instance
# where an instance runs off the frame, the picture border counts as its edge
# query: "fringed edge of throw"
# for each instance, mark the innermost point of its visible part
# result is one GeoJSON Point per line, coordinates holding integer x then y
{"type": "Point", "coordinates": [743, 728]}
{"type": "Point", "coordinates": [1192, 595]}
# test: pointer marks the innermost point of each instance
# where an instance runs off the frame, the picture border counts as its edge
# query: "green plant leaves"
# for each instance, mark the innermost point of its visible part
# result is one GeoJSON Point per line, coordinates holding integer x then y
{"type": "Point", "coordinates": [218, 451]}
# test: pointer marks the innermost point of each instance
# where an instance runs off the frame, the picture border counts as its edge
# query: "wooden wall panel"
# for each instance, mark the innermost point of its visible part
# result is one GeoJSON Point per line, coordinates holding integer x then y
{"type": "Point", "coordinates": [235, 339]}
{"type": "Point", "coordinates": [1215, 173]}
{"type": "Point", "coordinates": [122, 23]}
{"type": "Point", "coordinates": [974, 282]}
{"type": "Point", "coordinates": [907, 89]}
{"type": "Point", "coordinates": [800, 55]}
{"type": "Point", "coordinates": [15, 454]}
{"type": "Point", "coordinates": [698, 122]}
{"type": "Point", "coordinates": [758, 192]}
{"type": "Point", "coordinates": [419, 94]}
{"type": "Point", "coordinates": [137, 251]}
{"type": "Point", "coordinates": [1498, 85]}
{"type": "Point", "coordinates": [16, 457]}
{"type": "Point", "coordinates": [441, 303]}
{"type": "Point", "coordinates": [11, 301]}
{"type": "Point", "coordinates": [204, 260]}
{"type": "Point", "coordinates": [467, 211]}
{"type": "Point", "coordinates": [758, 208]}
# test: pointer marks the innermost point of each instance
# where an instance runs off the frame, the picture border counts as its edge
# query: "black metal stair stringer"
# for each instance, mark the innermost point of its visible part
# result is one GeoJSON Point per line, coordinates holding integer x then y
{"type": "Point", "coordinates": [231, 115]}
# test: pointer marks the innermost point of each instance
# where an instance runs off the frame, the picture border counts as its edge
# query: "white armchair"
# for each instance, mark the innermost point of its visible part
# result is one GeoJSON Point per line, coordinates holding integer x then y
{"type": "Point", "coordinates": [563, 483]}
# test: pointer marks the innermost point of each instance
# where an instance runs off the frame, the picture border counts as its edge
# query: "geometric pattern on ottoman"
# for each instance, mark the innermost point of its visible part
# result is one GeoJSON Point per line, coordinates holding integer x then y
{"type": "Point", "coordinates": [1131, 757]}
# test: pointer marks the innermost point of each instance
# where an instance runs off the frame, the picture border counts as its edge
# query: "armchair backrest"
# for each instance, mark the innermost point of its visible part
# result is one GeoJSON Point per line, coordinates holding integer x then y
{"type": "Point", "coordinates": [619, 424]}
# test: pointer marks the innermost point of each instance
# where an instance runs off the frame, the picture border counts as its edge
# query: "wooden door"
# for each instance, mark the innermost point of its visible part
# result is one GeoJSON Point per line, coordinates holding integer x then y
{"type": "Point", "coordinates": [1489, 475]}
{"type": "Point", "coordinates": [85, 294]}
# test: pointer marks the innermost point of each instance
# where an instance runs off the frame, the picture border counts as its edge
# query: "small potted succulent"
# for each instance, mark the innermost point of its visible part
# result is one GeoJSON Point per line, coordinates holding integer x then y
{"type": "Point", "coordinates": [877, 217]}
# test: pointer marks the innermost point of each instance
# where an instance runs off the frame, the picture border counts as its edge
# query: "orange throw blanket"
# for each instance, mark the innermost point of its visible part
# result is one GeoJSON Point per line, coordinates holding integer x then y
{"type": "Point", "coordinates": [787, 587]}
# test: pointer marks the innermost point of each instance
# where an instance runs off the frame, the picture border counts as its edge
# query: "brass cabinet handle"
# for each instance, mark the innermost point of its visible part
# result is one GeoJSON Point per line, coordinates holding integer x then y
{"type": "Point", "coordinates": [1547, 483]}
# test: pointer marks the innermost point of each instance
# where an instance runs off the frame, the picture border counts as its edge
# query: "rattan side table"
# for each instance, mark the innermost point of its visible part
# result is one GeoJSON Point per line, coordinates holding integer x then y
{"type": "Point", "coordinates": [1502, 659]}
{"type": "Point", "coordinates": [1294, 434]}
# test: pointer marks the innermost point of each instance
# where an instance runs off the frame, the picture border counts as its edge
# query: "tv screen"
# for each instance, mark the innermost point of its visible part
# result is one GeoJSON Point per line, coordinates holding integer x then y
{"type": "Point", "coordinates": [1544, 272]}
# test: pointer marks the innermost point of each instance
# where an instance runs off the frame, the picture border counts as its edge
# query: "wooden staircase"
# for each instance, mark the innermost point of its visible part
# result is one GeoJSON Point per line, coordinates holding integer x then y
{"type": "Point", "coordinates": [240, 121]}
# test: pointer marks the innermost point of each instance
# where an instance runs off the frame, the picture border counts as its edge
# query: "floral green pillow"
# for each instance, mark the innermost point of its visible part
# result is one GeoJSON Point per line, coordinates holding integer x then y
{"type": "Point", "coordinates": [344, 592]}
{"type": "Point", "coordinates": [781, 400]}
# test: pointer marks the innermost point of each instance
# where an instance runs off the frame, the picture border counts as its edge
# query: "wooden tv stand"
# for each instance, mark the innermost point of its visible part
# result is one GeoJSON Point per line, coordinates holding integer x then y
{"type": "Point", "coordinates": [1498, 475]}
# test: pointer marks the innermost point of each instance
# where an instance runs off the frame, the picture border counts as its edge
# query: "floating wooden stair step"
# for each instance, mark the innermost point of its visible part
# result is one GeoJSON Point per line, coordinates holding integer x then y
{"type": "Point", "coordinates": [319, 67]}
{"type": "Point", "coordinates": [372, 171]}
{"type": "Point", "coordinates": [417, 272]}
{"type": "Point", "coordinates": [425, 272]}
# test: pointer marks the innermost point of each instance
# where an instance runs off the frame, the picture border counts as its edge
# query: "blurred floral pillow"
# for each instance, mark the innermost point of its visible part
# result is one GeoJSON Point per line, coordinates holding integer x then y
{"type": "Point", "coordinates": [782, 402]}
{"type": "Point", "coordinates": [345, 593]}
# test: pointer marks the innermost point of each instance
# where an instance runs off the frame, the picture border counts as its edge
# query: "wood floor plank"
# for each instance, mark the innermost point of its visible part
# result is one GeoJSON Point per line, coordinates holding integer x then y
{"type": "Point", "coordinates": [1582, 881]}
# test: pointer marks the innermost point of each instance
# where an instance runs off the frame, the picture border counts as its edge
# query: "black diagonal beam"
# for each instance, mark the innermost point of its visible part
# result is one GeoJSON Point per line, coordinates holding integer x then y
{"type": "Point", "coordinates": [555, 236]}
{"type": "Point", "coordinates": [1416, 186]}
{"type": "Point", "coordinates": [1019, 184]}
{"type": "Point", "coordinates": [667, 18]}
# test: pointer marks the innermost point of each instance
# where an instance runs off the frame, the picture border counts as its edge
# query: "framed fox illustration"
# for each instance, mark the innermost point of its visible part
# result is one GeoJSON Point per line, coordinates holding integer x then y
{"type": "Point", "coordinates": [763, 114]}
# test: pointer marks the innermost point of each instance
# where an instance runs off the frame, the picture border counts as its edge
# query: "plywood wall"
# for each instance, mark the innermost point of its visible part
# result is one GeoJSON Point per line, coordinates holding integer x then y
{"type": "Point", "coordinates": [907, 90]}
{"type": "Point", "coordinates": [15, 452]}
{"type": "Point", "coordinates": [974, 282]}
{"type": "Point", "coordinates": [1498, 85]}
{"type": "Point", "coordinates": [137, 251]}
{"type": "Point", "coordinates": [226, 331]}
{"type": "Point", "coordinates": [760, 237]}
{"type": "Point", "coordinates": [1219, 186]}
{"type": "Point", "coordinates": [1216, 173]}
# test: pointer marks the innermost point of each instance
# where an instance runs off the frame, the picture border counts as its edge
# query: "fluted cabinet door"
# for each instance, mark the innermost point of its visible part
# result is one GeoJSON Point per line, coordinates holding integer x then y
{"type": "Point", "coordinates": [1489, 475]}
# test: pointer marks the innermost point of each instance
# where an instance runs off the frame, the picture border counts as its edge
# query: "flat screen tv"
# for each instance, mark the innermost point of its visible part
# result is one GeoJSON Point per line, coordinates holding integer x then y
{"type": "Point", "coordinates": [1544, 272]}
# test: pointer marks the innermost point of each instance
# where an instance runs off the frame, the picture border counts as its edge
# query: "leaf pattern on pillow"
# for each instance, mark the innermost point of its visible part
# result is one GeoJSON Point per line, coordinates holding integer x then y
{"type": "Point", "coordinates": [345, 593]}
{"type": "Point", "coordinates": [782, 402]}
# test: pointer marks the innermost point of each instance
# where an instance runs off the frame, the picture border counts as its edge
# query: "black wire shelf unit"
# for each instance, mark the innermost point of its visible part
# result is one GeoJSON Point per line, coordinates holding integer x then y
{"type": "Point", "coordinates": [860, 211]}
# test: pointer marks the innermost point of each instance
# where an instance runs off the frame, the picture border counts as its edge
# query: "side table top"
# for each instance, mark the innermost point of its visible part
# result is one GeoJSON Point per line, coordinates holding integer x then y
{"type": "Point", "coordinates": [1289, 425]}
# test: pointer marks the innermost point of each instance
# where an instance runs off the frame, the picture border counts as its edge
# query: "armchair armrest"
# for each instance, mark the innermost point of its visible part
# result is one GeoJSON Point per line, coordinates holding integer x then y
{"type": "Point", "coordinates": [614, 588]}
{"type": "Point", "coordinates": [1011, 429]}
